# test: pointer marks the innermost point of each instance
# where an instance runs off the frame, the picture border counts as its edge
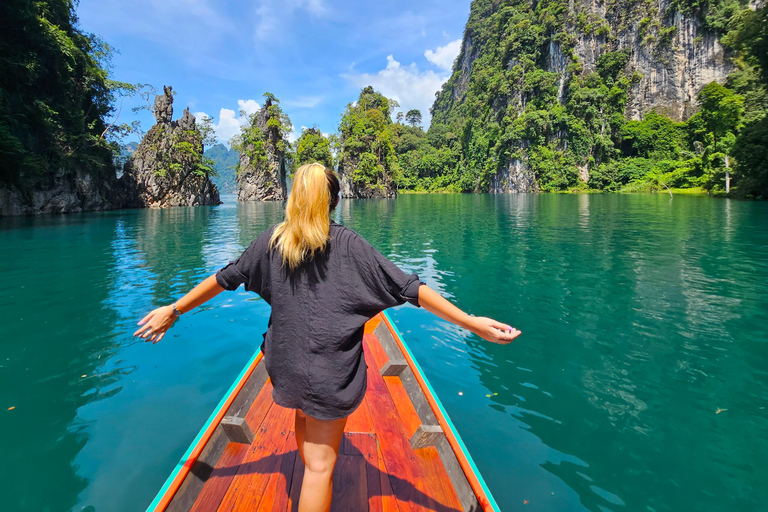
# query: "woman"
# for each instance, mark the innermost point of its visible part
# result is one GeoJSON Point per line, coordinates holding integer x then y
{"type": "Point", "coordinates": [323, 282]}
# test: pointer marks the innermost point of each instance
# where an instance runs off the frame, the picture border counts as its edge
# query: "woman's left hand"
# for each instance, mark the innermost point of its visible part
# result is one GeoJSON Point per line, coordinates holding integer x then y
{"type": "Point", "coordinates": [156, 323]}
{"type": "Point", "coordinates": [493, 331]}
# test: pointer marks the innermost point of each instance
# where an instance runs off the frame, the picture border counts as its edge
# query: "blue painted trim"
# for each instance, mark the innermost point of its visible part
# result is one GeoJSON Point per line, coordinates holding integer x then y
{"type": "Point", "coordinates": [197, 439]}
{"type": "Point", "coordinates": [463, 447]}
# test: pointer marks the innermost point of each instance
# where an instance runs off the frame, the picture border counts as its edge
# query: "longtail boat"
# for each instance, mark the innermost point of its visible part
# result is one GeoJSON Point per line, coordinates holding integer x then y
{"type": "Point", "coordinates": [400, 451]}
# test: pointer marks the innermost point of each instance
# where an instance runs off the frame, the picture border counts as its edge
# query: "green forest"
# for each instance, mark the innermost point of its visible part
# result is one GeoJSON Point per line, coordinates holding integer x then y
{"type": "Point", "coordinates": [55, 95]}
{"type": "Point", "coordinates": [56, 99]}
{"type": "Point", "coordinates": [467, 143]}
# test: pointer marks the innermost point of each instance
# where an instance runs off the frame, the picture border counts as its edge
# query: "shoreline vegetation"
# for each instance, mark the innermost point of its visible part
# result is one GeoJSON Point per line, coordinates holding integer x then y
{"type": "Point", "coordinates": [507, 120]}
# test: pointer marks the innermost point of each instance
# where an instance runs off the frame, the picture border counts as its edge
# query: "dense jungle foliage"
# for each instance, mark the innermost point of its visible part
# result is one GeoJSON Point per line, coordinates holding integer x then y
{"type": "Point", "coordinates": [510, 108]}
{"type": "Point", "coordinates": [56, 103]}
{"type": "Point", "coordinates": [366, 153]}
{"type": "Point", "coordinates": [55, 95]}
{"type": "Point", "coordinates": [265, 135]}
{"type": "Point", "coordinates": [312, 146]}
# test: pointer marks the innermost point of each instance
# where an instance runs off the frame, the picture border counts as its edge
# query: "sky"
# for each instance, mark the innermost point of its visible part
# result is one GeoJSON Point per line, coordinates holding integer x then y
{"type": "Point", "coordinates": [221, 56]}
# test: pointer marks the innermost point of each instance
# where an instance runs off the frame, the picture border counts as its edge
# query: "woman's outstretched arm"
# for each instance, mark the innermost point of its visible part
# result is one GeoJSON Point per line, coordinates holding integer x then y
{"type": "Point", "coordinates": [487, 328]}
{"type": "Point", "coordinates": [158, 321]}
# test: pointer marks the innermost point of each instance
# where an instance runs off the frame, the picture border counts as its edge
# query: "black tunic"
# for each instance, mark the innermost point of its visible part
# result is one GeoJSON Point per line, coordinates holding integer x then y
{"type": "Point", "coordinates": [313, 344]}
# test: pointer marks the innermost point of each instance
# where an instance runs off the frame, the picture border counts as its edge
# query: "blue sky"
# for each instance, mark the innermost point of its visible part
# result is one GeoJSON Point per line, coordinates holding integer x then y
{"type": "Point", "coordinates": [314, 55]}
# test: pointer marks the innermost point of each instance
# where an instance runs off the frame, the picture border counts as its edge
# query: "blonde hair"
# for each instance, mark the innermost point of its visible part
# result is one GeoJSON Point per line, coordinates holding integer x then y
{"type": "Point", "coordinates": [307, 223]}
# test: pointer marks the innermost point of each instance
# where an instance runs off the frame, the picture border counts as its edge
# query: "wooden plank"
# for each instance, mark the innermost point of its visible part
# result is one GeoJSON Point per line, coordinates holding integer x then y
{"type": "Point", "coordinates": [178, 480]}
{"type": "Point", "coordinates": [399, 458]}
{"type": "Point", "coordinates": [360, 419]}
{"type": "Point", "coordinates": [199, 473]}
{"type": "Point", "coordinates": [363, 445]}
{"type": "Point", "coordinates": [298, 477]}
{"type": "Point", "coordinates": [250, 391]}
{"type": "Point", "coordinates": [485, 499]}
{"type": "Point", "coordinates": [377, 354]}
{"type": "Point", "coordinates": [196, 486]}
{"type": "Point", "coordinates": [393, 367]}
{"type": "Point", "coordinates": [276, 493]}
{"type": "Point", "coordinates": [203, 467]}
{"type": "Point", "coordinates": [388, 343]}
{"type": "Point", "coordinates": [262, 460]}
{"type": "Point", "coordinates": [366, 446]}
{"type": "Point", "coordinates": [419, 401]}
{"type": "Point", "coordinates": [260, 406]}
{"type": "Point", "coordinates": [387, 501]}
{"type": "Point", "coordinates": [426, 435]}
{"type": "Point", "coordinates": [350, 485]}
{"type": "Point", "coordinates": [437, 479]}
{"type": "Point", "coordinates": [403, 404]}
{"type": "Point", "coordinates": [467, 496]}
{"type": "Point", "coordinates": [218, 483]}
{"type": "Point", "coordinates": [372, 324]}
{"type": "Point", "coordinates": [237, 430]}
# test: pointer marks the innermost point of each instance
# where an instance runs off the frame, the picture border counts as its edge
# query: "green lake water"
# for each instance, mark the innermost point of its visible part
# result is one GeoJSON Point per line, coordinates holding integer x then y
{"type": "Point", "coordinates": [641, 317]}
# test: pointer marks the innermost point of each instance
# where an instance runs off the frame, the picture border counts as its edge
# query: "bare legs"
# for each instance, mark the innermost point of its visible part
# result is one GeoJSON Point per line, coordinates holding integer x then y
{"type": "Point", "coordinates": [318, 442]}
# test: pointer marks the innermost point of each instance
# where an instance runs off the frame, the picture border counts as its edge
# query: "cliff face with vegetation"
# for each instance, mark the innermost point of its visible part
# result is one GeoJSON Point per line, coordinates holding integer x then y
{"type": "Point", "coordinates": [167, 169]}
{"type": "Point", "coordinates": [557, 95]}
{"type": "Point", "coordinates": [368, 164]}
{"type": "Point", "coordinates": [54, 98]}
{"type": "Point", "coordinates": [262, 144]}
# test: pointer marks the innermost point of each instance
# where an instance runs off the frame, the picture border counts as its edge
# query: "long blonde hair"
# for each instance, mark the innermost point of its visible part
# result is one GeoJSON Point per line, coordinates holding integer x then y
{"type": "Point", "coordinates": [307, 223]}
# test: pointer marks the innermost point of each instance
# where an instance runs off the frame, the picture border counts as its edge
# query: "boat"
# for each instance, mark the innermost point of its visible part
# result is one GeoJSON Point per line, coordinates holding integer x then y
{"type": "Point", "coordinates": [400, 450]}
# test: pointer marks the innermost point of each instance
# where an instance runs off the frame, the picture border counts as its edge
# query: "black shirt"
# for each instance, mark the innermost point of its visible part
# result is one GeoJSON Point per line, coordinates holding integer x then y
{"type": "Point", "coordinates": [313, 345]}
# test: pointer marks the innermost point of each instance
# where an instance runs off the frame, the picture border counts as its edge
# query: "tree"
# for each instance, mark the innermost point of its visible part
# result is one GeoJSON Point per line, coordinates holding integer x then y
{"type": "Point", "coordinates": [413, 117]}
{"type": "Point", "coordinates": [366, 156]}
{"type": "Point", "coordinates": [207, 131]}
{"type": "Point", "coordinates": [55, 95]}
{"type": "Point", "coordinates": [718, 123]}
{"type": "Point", "coordinates": [312, 146]}
{"type": "Point", "coordinates": [399, 117]}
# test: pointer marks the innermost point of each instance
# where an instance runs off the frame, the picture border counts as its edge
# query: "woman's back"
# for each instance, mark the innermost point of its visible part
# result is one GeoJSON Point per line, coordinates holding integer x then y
{"type": "Point", "coordinates": [312, 346]}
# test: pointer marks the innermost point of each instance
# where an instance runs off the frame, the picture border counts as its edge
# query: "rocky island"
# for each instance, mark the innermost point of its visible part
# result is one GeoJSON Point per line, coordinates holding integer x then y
{"type": "Point", "coordinates": [262, 169]}
{"type": "Point", "coordinates": [368, 164]}
{"type": "Point", "coordinates": [167, 169]}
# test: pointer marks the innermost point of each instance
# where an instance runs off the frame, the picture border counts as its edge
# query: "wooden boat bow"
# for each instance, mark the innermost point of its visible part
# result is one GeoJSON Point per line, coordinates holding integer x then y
{"type": "Point", "coordinates": [400, 450]}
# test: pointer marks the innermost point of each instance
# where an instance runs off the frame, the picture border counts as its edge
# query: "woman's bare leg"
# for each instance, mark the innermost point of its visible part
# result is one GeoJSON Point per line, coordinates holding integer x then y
{"type": "Point", "coordinates": [320, 448]}
{"type": "Point", "coordinates": [300, 426]}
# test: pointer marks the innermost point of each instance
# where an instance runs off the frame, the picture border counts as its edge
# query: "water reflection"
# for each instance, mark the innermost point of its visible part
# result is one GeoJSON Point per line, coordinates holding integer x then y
{"type": "Point", "coordinates": [642, 318]}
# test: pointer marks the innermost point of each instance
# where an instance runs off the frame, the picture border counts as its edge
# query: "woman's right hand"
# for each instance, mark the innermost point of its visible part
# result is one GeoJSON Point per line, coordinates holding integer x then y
{"type": "Point", "coordinates": [156, 323]}
{"type": "Point", "coordinates": [493, 331]}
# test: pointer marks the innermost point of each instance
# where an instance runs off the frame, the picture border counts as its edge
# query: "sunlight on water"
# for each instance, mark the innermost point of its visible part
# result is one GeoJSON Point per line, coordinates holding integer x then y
{"type": "Point", "coordinates": [639, 382]}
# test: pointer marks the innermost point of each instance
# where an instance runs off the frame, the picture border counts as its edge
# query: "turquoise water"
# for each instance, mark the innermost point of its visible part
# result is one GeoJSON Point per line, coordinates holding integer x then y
{"type": "Point", "coordinates": [641, 317]}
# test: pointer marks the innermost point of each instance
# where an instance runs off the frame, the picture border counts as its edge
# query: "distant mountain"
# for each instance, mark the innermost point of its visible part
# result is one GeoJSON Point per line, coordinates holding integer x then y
{"type": "Point", "coordinates": [128, 150]}
{"type": "Point", "coordinates": [225, 160]}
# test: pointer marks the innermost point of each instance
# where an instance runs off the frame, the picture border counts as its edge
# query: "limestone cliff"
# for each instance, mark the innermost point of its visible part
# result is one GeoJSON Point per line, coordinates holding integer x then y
{"type": "Point", "coordinates": [261, 171]}
{"type": "Point", "coordinates": [69, 191]}
{"type": "Point", "coordinates": [553, 73]}
{"type": "Point", "coordinates": [167, 168]}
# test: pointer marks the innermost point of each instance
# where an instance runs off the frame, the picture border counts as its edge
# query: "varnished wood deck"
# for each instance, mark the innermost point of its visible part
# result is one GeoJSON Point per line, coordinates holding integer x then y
{"type": "Point", "coordinates": [377, 470]}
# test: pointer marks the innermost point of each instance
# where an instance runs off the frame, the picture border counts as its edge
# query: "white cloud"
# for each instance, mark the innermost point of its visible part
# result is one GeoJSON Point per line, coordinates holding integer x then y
{"type": "Point", "coordinates": [444, 56]}
{"type": "Point", "coordinates": [249, 106]}
{"type": "Point", "coordinates": [295, 134]}
{"type": "Point", "coordinates": [304, 102]}
{"type": "Point", "coordinates": [406, 84]}
{"type": "Point", "coordinates": [229, 121]}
